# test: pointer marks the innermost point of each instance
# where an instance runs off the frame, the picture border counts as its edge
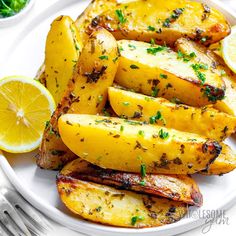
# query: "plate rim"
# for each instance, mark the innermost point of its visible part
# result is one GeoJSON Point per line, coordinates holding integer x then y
{"type": "Point", "coordinates": [90, 227]}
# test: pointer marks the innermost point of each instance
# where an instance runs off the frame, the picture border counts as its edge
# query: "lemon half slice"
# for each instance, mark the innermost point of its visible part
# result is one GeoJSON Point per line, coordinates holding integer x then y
{"type": "Point", "coordinates": [25, 106]}
{"type": "Point", "coordinates": [229, 49]}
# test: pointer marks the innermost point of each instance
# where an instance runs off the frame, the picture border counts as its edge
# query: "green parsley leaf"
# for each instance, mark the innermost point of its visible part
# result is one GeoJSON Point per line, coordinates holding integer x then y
{"type": "Point", "coordinates": [163, 135]}
{"type": "Point", "coordinates": [155, 50]}
{"type": "Point", "coordinates": [131, 46]}
{"type": "Point", "coordinates": [151, 28]}
{"type": "Point", "coordinates": [134, 219]}
{"type": "Point", "coordinates": [125, 104]}
{"type": "Point", "coordinates": [103, 57]}
{"type": "Point", "coordinates": [120, 16]}
{"type": "Point", "coordinates": [122, 128]}
{"type": "Point", "coordinates": [141, 133]}
{"type": "Point", "coordinates": [134, 67]}
{"type": "Point", "coordinates": [155, 92]}
{"type": "Point", "coordinates": [143, 170]}
{"type": "Point", "coordinates": [163, 76]}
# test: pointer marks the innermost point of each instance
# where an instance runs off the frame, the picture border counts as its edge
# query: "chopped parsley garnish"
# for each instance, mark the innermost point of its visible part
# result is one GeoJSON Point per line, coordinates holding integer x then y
{"type": "Point", "coordinates": [120, 16]}
{"type": "Point", "coordinates": [212, 94]}
{"type": "Point", "coordinates": [47, 123]}
{"type": "Point", "coordinates": [155, 50]}
{"type": "Point", "coordinates": [162, 134]}
{"type": "Point", "coordinates": [131, 46]}
{"type": "Point", "coordinates": [134, 219]}
{"type": "Point", "coordinates": [151, 28]}
{"type": "Point", "coordinates": [134, 67]}
{"type": "Point", "coordinates": [174, 16]}
{"type": "Point", "coordinates": [186, 57]}
{"type": "Point", "coordinates": [98, 209]}
{"type": "Point", "coordinates": [163, 76]}
{"type": "Point", "coordinates": [122, 128]}
{"type": "Point", "coordinates": [143, 170]}
{"type": "Point", "coordinates": [121, 48]}
{"type": "Point", "coordinates": [201, 76]}
{"type": "Point", "coordinates": [158, 116]}
{"type": "Point", "coordinates": [125, 104]}
{"type": "Point", "coordinates": [155, 92]}
{"type": "Point", "coordinates": [142, 182]}
{"type": "Point", "coordinates": [141, 133]}
{"type": "Point", "coordinates": [103, 57]}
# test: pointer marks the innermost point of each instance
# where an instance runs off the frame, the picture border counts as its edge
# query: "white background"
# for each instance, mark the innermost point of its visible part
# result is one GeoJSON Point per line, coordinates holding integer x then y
{"type": "Point", "coordinates": [7, 35]}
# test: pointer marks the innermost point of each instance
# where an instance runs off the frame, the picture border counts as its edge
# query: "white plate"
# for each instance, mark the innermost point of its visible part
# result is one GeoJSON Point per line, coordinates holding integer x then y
{"type": "Point", "coordinates": [38, 186]}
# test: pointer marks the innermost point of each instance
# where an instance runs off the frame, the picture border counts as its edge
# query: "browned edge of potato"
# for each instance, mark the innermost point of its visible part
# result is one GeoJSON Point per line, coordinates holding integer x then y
{"type": "Point", "coordinates": [216, 64]}
{"type": "Point", "coordinates": [223, 164]}
{"type": "Point", "coordinates": [110, 206]}
{"type": "Point", "coordinates": [86, 93]}
{"type": "Point", "coordinates": [176, 187]}
{"type": "Point", "coordinates": [164, 21]}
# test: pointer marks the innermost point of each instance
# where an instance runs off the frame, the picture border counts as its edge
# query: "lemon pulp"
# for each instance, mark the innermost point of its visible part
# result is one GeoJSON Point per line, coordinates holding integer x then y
{"type": "Point", "coordinates": [25, 106]}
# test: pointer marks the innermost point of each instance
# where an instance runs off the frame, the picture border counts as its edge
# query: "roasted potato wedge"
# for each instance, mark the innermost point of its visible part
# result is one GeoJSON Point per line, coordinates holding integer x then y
{"type": "Point", "coordinates": [223, 164]}
{"type": "Point", "coordinates": [127, 145]}
{"type": "Point", "coordinates": [176, 187]}
{"type": "Point", "coordinates": [204, 121]}
{"type": "Point", "coordinates": [216, 48]}
{"type": "Point", "coordinates": [217, 65]}
{"type": "Point", "coordinates": [86, 93]}
{"type": "Point", "coordinates": [63, 47]}
{"type": "Point", "coordinates": [96, 7]}
{"type": "Point", "coordinates": [164, 21]}
{"type": "Point", "coordinates": [110, 206]}
{"type": "Point", "coordinates": [158, 71]}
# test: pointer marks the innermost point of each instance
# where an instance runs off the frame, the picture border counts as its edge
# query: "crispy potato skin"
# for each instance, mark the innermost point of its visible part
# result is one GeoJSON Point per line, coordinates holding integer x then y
{"type": "Point", "coordinates": [176, 187]}
{"type": "Point", "coordinates": [216, 64]}
{"type": "Point", "coordinates": [110, 206]}
{"type": "Point", "coordinates": [223, 164]}
{"type": "Point", "coordinates": [86, 93]}
{"type": "Point", "coordinates": [102, 140]}
{"type": "Point", "coordinates": [204, 121]}
{"type": "Point", "coordinates": [192, 22]}
{"type": "Point", "coordinates": [141, 71]}
{"type": "Point", "coordinates": [63, 47]}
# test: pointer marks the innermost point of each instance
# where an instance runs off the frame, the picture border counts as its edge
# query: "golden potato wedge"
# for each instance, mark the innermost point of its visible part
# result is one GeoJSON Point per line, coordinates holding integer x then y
{"type": "Point", "coordinates": [86, 93]}
{"type": "Point", "coordinates": [164, 21]}
{"type": "Point", "coordinates": [204, 121]}
{"type": "Point", "coordinates": [224, 163]}
{"type": "Point", "coordinates": [217, 65]}
{"type": "Point", "coordinates": [63, 46]}
{"type": "Point", "coordinates": [158, 71]}
{"type": "Point", "coordinates": [176, 187]}
{"type": "Point", "coordinates": [216, 48]}
{"type": "Point", "coordinates": [127, 145]}
{"type": "Point", "coordinates": [110, 206]}
{"type": "Point", "coordinates": [96, 7]}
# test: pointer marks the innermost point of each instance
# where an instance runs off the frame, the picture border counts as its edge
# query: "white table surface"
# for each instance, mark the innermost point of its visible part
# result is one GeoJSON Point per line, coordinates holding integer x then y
{"type": "Point", "coordinates": [6, 36]}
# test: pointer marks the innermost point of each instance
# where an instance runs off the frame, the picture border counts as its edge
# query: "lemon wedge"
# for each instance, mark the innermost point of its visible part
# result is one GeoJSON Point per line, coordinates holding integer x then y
{"type": "Point", "coordinates": [229, 49]}
{"type": "Point", "coordinates": [25, 106]}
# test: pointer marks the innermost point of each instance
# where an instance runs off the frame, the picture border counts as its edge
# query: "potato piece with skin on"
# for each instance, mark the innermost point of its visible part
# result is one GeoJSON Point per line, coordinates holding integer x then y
{"type": "Point", "coordinates": [126, 145]}
{"type": "Point", "coordinates": [86, 93]}
{"type": "Point", "coordinates": [204, 121]}
{"type": "Point", "coordinates": [165, 21]}
{"type": "Point", "coordinates": [63, 47]}
{"type": "Point", "coordinates": [96, 7]}
{"type": "Point", "coordinates": [216, 64]}
{"type": "Point", "coordinates": [176, 187]}
{"type": "Point", "coordinates": [158, 71]}
{"type": "Point", "coordinates": [122, 208]}
{"type": "Point", "coordinates": [223, 164]}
